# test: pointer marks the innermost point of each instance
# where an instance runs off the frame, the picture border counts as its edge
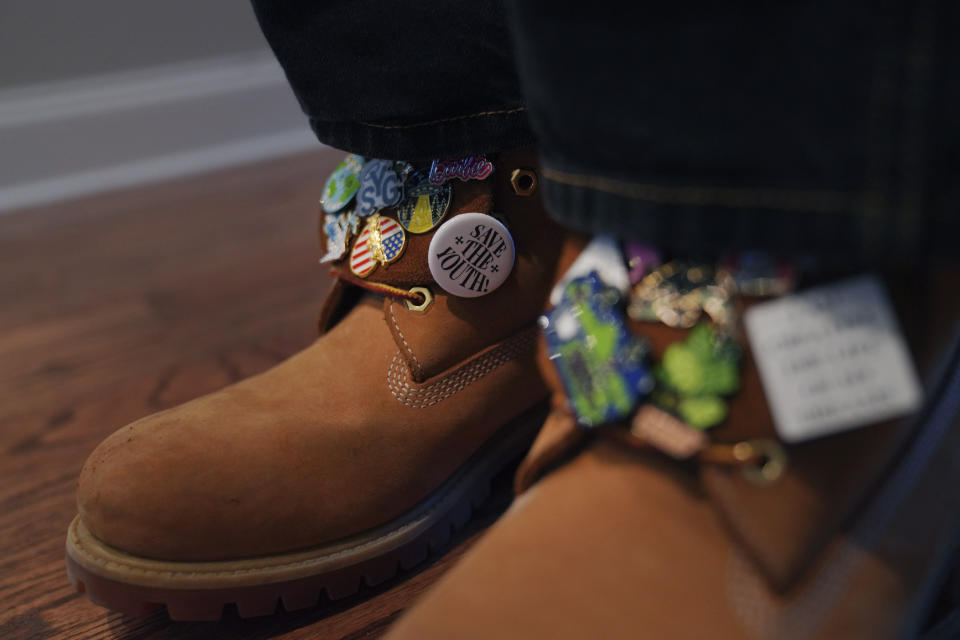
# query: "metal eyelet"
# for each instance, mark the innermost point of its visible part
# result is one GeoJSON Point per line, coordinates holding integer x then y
{"type": "Point", "coordinates": [770, 464]}
{"type": "Point", "coordinates": [427, 299]}
{"type": "Point", "coordinates": [524, 181]}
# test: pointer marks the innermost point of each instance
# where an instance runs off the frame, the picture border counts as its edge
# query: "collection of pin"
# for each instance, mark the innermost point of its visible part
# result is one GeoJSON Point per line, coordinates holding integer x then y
{"type": "Point", "coordinates": [685, 392]}
{"type": "Point", "coordinates": [606, 370]}
{"type": "Point", "coordinates": [359, 189]}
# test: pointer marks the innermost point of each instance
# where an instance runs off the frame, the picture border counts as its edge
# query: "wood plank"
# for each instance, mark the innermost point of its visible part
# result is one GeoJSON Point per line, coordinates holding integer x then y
{"type": "Point", "coordinates": [119, 305]}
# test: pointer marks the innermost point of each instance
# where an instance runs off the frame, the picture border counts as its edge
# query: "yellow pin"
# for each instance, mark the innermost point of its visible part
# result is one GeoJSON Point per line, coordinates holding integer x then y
{"type": "Point", "coordinates": [422, 218]}
{"type": "Point", "coordinates": [425, 205]}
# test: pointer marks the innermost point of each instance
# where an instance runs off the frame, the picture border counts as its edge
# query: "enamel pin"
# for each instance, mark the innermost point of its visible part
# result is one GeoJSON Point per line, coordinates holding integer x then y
{"type": "Point", "coordinates": [469, 168]}
{"type": "Point", "coordinates": [342, 184]}
{"type": "Point", "coordinates": [695, 375]}
{"type": "Point", "coordinates": [338, 229]}
{"type": "Point", "coordinates": [425, 204]}
{"type": "Point", "coordinates": [380, 187]}
{"type": "Point", "coordinates": [602, 365]}
{"type": "Point", "coordinates": [381, 242]}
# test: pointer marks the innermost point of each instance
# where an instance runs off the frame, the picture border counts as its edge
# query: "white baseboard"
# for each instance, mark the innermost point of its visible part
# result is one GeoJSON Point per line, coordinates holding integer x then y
{"type": "Point", "coordinates": [84, 136]}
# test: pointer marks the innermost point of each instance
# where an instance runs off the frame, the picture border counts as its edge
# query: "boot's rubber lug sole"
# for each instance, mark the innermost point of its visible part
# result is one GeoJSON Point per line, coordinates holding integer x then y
{"type": "Point", "coordinates": [300, 579]}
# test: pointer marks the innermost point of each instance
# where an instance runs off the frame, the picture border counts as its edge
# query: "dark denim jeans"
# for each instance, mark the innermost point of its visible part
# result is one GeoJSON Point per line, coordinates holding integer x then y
{"type": "Point", "coordinates": [824, 125]}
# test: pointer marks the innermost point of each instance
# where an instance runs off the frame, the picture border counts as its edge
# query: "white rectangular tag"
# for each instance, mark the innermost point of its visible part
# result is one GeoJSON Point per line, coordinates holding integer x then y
{"type": "Point", "coordinates": [832, 358]}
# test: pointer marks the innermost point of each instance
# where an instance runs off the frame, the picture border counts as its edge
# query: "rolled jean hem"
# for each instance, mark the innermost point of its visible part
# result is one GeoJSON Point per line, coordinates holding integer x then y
{"type": "Point", "coordinates": [708, 222]}
{"type": "Point", "coordinates": [480, 133]}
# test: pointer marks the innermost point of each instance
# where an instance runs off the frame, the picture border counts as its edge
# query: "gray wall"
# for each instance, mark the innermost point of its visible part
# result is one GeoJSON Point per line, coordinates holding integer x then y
{"type": "Point", "coordinates": [50, 40]}
{"type": "Point", "coordinates": [107, 94]}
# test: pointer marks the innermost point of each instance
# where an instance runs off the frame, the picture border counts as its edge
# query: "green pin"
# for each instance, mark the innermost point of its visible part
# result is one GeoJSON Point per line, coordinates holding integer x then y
{"type": "Point", "coordinates": [695, 374]}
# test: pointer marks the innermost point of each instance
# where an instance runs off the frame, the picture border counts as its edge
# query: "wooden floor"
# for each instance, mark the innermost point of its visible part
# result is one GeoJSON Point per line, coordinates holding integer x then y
{"type": "Point", "coordinates": [116, 306]}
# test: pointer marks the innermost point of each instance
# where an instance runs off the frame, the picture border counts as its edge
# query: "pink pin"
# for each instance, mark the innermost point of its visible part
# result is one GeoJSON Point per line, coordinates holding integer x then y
{"type": "Point", "coordinates": [469, 168]}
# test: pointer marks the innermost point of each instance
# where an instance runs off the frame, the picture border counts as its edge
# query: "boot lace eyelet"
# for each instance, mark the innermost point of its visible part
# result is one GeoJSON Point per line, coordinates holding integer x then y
{"type": "Point", "coordinates": [769, 461]}
{"type": "Point", "coordinates": [524, 182]}
{"type": "Point", "coordinates": [427, 296]}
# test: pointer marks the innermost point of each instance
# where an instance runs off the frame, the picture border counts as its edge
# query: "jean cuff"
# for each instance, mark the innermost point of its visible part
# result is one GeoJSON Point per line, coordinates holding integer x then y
{"type": "Point", "coordinates": [708, 221]}
{"type": "Point", "coordinates": [457, 136]}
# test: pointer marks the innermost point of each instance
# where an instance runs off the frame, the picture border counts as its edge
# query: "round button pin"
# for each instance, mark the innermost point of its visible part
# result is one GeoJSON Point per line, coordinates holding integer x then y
{"type": "Point", "coordinates": [471, 255]}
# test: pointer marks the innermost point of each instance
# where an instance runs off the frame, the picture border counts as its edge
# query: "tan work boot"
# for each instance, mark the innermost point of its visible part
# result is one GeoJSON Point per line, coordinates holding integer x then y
{"type": "Point", "coordinates": [849, 536]}
{"type": "Point", "coordinates": [351, 458]}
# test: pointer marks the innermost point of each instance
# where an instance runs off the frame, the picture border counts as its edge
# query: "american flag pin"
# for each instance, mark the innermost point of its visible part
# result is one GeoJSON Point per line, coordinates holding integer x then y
{"type": "Point", "coordinates": [382, 241]}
